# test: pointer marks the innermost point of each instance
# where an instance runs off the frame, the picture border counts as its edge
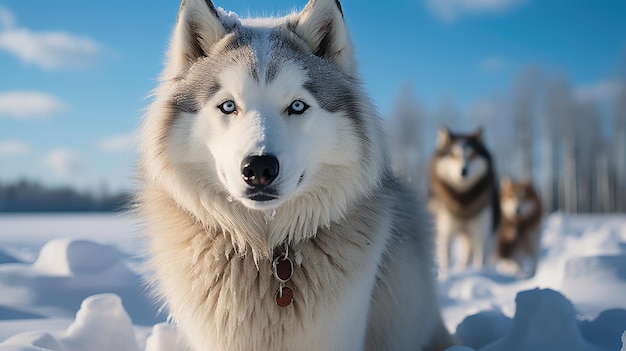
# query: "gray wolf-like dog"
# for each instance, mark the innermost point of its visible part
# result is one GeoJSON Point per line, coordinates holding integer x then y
{"type": "Point", "coordinates": [464, 199]}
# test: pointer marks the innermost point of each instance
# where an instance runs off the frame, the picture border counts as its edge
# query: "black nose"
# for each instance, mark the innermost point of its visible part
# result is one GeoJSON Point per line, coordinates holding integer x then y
{"type": "Point", "coordinates": [259, 170]}
{"type": "Point", "coordinates": [464, 172]}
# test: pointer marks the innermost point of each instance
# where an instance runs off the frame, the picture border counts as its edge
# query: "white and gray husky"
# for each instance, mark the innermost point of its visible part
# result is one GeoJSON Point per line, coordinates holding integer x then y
{"type": "Point", "coordinates": [464, 199]}
{"type": "Point", "coordinates": [273, 220]}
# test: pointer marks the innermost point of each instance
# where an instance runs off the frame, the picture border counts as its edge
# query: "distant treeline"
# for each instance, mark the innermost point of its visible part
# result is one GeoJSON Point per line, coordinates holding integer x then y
{"type": "Point", "coordinates": [29, 196]}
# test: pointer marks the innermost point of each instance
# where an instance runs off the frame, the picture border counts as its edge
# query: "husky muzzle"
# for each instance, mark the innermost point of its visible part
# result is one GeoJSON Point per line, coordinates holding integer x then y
{"type": "Point", "coordinates": [259, 172]}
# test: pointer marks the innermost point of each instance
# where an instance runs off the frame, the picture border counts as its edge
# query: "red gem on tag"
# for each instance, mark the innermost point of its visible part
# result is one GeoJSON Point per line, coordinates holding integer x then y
{"type": "Point", "coordinates": [284, 297]}
{"type": "Point", "coordinates": [283, 269]}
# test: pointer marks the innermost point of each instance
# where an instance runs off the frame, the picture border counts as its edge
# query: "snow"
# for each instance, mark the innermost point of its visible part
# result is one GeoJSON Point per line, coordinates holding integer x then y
{"type": "Point", "coordinates": [103, 313]}
{"type": "Point", "coordinates": [68, 271]}
{"type": "Point", "coordinates": [74, 283]}
{"type": "Point", "coordinates": [544, 319]}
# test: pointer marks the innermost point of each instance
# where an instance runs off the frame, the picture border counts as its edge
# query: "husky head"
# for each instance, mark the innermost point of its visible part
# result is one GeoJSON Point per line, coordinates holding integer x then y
{"type": "Point", "coordinates": [262, 114]}
{"type": "Point", "coordinates": [461, 160]}
{"type": "Point", "coordinates": [518, 200]}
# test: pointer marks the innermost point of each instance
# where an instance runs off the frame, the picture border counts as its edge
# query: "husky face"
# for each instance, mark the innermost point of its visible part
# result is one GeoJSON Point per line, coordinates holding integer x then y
{"type": "Point", "coordinates": [263, 111]}
{"type": "Point", "coordinates": [263, 130]}
{"type": "Point", "coordinates": [518, 200]}
{"type": "Point", "coordinates": [267, 135]}
{"type": "Point", "coordinates": [461, 159]}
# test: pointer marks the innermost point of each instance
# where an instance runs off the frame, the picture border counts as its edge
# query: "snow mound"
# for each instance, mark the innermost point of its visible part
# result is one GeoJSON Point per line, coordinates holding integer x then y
{"type": "Point", "coordinates": [66, 272]}
{"type": "Point", "coordinates": [583, 275]}
{"type": "Point", "coordinates": [101, 324]}
{"type": "Point", "coordinates": [164, 338]}
{"type": "Point", "coordinates": [68, 256]}
{"type": "Point", "coordinates": [606, 329]}
{"type": "Point", "coordinates": [482, 328]}
{"type": "Point", "coordinates": [566, 238]}
{"type": "Point", "coordinates": [544, 321]}
{"type": "Point", "coordinates": [105, 314]}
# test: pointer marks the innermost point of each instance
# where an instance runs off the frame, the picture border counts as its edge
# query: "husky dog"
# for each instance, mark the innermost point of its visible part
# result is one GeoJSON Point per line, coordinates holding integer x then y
{"type": "Point", "coordinates": [273, 220]}
{"type": "Point", "coordinates": [518, 235]}
{"type": "Point", "coordinates": [463, 198]}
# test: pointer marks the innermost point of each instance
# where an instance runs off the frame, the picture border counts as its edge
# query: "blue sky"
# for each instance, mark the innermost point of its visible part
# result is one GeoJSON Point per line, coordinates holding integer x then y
{"type": "Point", "coordinates": [74, 75]}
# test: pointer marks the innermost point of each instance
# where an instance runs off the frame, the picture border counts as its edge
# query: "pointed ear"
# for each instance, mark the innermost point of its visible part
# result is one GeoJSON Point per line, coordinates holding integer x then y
{"type": "Point", "coordinates": [443, 137]}
{"type": "Point", "coordinates": [322, 26]}
{"type": "Point", "coordinates": [197, 29]}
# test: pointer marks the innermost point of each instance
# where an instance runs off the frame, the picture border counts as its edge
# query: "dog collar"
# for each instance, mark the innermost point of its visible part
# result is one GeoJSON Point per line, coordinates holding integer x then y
{"type": "Point", "coordinates": [282, 267]}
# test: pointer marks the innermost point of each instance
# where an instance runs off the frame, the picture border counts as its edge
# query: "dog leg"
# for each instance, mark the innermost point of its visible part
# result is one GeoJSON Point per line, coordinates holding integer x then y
{"type": "Point", "coordinates": [444, 250]}
{"type": "Point", "coordinates": [464, 250]}
{"type": "Point", "coordinates": [445, 234]}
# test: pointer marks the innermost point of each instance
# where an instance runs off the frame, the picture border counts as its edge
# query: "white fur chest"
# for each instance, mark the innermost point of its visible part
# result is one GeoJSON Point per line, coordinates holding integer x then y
{"type": "Point", "coordinates": [224, 301]}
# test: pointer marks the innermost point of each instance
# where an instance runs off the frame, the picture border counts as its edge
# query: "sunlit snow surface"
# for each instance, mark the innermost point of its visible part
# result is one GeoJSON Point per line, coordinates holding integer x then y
{"type": "Point", "coordinates": [73, 283]}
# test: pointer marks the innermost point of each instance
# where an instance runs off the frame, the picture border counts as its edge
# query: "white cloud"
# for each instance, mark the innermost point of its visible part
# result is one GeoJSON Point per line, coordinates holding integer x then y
{"type": "Point", "coordinates": [602, 90]}
{"type": "Point", "coordinates": [29, 104]}
{"type": "Point", "coordinates": [122, 142]}
{"type": "Point", "coordinates": [450, 10]}
{"type": "Point", "coordinates": [492, 64]}
{"type": "Point", "coordinates": [63, 161]}
{"type": "Point", "coordinates": [51, 49]}
{"type": "Point", "coordinates": [10, 148]}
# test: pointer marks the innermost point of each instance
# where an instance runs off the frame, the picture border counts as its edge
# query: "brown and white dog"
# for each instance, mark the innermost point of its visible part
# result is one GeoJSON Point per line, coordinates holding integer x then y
{"type": "Point", "coordinates": [464, 198]}
{"type": "Point", "coordinates": [519, 234]}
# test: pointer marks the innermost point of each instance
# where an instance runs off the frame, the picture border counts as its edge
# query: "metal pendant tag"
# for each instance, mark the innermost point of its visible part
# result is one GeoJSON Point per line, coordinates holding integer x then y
{"type": "Point", "coordinates": [283, 269]}
{"type": "Point", "coordinates": [284, 296]}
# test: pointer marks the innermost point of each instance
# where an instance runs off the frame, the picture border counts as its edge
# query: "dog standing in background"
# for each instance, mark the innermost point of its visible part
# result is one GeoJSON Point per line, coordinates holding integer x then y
{"type": "Point", "coordinates": [463, 199]}
{"type": "Point", "coordinates": [519, 232]}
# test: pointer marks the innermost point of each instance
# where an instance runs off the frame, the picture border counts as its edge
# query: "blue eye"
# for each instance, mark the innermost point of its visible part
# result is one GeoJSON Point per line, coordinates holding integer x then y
{"type": "Point", "coordinates": [297, 107]}
{"type": "Point", "coordinates": [227, 107]}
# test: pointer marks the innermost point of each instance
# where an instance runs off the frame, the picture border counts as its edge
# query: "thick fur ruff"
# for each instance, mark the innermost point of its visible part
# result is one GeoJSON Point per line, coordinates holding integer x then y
{"type": "Point", "coordinates": [362, 247]}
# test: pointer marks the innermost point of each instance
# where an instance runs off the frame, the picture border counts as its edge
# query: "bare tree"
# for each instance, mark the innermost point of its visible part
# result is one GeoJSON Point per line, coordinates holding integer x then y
{"type": "Point", "coordinates": [525, 95]}
{"type": "Point", "coordinates": [407, 148]}
{"type": "Point", "coordinates": [619, 138]}
{"type": "Point", "coordinates": [588, 146]}
{"type": "Point", "coordinates": [604, 195]}
{"type": "Point", "coordinates": [557, 104]}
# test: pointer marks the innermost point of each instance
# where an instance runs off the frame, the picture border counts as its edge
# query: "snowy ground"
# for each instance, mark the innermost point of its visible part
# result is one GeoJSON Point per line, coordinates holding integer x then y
{"type": "Point", "coordinates": [72, 283]}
